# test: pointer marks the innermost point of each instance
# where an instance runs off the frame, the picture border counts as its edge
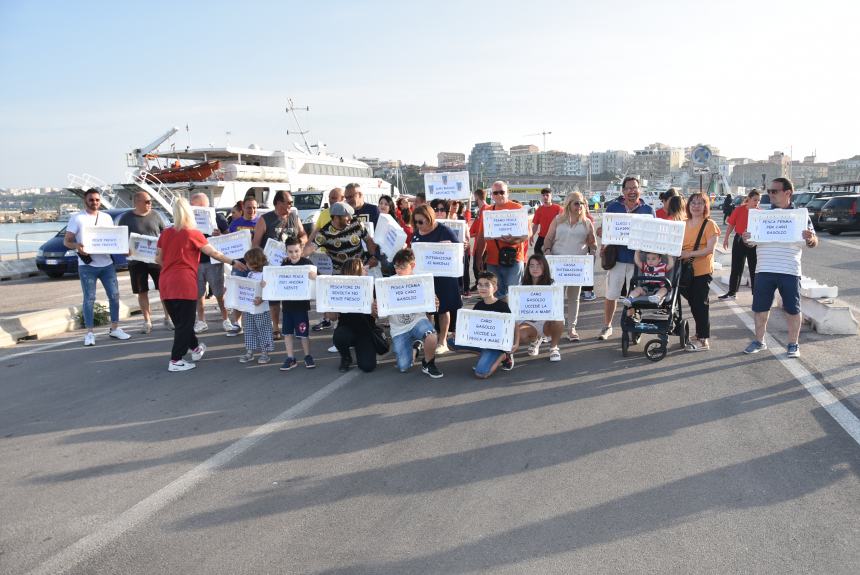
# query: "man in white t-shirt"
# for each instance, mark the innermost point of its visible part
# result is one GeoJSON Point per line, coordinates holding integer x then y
{"type": "Point", "coordinates": [94, 267]}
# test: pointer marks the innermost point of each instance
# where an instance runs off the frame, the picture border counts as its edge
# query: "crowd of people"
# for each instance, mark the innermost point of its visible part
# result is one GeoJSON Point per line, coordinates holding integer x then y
{"type": "Point", "coordinates": [188, 269]}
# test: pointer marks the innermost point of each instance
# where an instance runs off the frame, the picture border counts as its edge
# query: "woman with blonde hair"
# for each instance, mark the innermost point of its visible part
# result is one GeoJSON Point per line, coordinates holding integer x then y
{"type": "Point", "coordinates": [571, 233]}
{"type": "Point", "coordinates": [179, 249]}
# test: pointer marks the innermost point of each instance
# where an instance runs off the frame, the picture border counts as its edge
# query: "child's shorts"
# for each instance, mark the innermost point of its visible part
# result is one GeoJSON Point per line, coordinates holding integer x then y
{"type": "Point", "coordinates": [294, 323]}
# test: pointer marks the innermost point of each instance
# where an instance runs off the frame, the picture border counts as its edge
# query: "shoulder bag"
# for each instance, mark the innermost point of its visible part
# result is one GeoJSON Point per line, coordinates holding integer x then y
{"type": "Point", "coordinates": [687, 267]}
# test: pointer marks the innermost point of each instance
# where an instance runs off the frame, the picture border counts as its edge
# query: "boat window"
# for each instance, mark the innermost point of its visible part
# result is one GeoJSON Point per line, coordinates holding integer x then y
{"type": "Point", "coordinates": [307, 201]}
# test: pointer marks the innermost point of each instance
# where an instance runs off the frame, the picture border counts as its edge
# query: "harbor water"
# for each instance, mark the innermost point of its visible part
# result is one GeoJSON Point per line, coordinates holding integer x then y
{"type": "Point", "coordinates": [29, 242]}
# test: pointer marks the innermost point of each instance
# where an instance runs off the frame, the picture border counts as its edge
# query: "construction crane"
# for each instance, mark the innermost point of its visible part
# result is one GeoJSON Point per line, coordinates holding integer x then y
{"type": "Point", "coordinates": [544, 134]}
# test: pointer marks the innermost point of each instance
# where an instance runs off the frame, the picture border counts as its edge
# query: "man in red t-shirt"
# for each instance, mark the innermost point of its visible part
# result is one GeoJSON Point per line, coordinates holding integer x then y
{"type": "Point", "coordinates": [544, 215]}
{"type": "Point", "coordinates": [507, 275]}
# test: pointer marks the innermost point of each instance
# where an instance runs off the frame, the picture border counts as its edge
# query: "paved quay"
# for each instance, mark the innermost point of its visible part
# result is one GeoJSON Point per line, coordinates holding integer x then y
{"type": "Point", "coordinates": [713, 462]}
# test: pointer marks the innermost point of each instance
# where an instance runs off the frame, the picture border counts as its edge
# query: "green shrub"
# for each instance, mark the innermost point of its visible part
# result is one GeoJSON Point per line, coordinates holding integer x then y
{"type": "Point", "coordinates": [101, 316]}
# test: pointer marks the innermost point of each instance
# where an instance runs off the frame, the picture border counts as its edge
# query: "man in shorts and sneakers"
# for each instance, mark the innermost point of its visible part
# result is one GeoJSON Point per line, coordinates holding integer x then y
{"type": "Point", "coordinates": [211, 273]}
{"type": "Point", "coordinates": [622, 272]}
{"type": "Point", "coordinates": [778, 268]}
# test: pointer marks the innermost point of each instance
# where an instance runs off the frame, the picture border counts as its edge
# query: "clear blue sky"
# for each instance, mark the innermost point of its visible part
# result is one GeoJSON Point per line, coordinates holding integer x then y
{"type": "Point", "coordinates": [85, 82]}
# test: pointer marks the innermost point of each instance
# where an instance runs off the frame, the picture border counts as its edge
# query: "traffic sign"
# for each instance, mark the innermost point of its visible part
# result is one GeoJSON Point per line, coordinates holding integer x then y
{"type": "Point", "coordinates": [701, 155]}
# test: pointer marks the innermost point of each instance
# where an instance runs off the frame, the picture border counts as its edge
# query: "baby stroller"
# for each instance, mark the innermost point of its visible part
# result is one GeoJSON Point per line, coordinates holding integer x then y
{"type": "Point", "coordinates": [663, 319]}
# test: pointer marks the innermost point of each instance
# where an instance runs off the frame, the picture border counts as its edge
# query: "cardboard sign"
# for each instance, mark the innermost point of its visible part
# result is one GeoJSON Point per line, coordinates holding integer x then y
{"type": "Point", "coordinates": [105, 239]}
{"type": "Point", "coordinates": [241, 292]}
{"type": "Point", "coordinates": [322, 262]}
{"type": "Point", "coordinates": [287, 283]}
{"type": "Point", "coordinates": [571, 270]}
{"type": "Point", "coordinates": [616, 228]}
{"type": "Point", "coordinates": [783, 226]}
{"type": "Point", "coordinates": [498, 223]}
{"type": "Point", "coordinates": [204, 218]}
{"type": "Point", "coordinates": [459, 227]}
{"type": "Point", "coordinates": [538, 303]}
{"type": "Point", "coordinates": [656, 236]}
{"type": "Point", "coordinates": [439, 259]}
{"type": "Point", "coordinates": [234, 245]}
{"type": "Point", "coordinates": [447, 186]}
{"type": "Point", "coordinates": [276, 252]}
{"type": "Point", "coordinates": [405, 294]}
{"type": "Point", "coordinates": [485, 329]}
{"type": "Point", "coordinates": [142, 248]}
{"type": "Point", "coordinates": [345, 294]}
{"type": "Point", "coordinates": [389, 236]}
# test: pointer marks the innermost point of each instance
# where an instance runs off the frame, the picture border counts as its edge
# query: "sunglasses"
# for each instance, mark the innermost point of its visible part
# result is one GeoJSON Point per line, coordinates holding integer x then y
{"type": "Point", "coordinates": [440, 210]}
{"type": "Point", "coordinates": [498, 192]}
{"type": "Point", "coordinates": [420, 222]}
{"type": "Point", "coordinates": [577, 203]}
{"type": "Point", "coordinates": [774, 191]}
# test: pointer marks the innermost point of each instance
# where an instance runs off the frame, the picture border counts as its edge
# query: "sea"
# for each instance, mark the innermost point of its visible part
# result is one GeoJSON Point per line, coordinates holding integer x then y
{"type": "Point", "coordinates": [30, 237]}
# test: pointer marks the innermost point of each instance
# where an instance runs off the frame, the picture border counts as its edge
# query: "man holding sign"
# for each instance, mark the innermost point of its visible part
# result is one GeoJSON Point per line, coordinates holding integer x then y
{"type": "Point", "coordinates": [211, 273]}
{"type": "Point", "coordinates": [95, 267]}
{"type": "Point", "coordinates": [505, 255]}
{"type": "Point", "coordinates": [778, 268]}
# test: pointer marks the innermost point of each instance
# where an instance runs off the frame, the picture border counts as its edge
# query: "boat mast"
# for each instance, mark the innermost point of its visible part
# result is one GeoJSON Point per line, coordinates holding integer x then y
{"type": "Point", "coordinates": [291, 109]}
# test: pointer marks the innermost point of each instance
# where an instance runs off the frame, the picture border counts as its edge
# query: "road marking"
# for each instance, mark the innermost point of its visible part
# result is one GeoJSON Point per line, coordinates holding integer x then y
{"type": "Point", "coordinates": [37, 349]}
{"type": "Point", "coordinates": [86, 547]}
{"type": "Point", "coordinates": [843, 244]}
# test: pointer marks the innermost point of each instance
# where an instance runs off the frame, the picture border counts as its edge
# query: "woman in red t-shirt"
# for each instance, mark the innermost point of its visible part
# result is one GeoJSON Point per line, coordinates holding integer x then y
{"type": "Point", "coordinates": [179, 249]}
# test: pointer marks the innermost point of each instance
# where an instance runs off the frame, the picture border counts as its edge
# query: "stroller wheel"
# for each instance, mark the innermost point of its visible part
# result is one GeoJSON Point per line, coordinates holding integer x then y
{"type": "Point", "coordinates": [655, 350]}
{"type": "Point", "coordinates": [625, 343]}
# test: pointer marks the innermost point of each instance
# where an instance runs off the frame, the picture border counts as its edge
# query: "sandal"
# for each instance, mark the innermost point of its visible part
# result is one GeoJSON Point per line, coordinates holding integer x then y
{"type": "Point", "coordinates": [697, 345]}
{"type": "Point", "coordinates": [572, 335]}
{"type": "Point", "coordinates": [277, 336]}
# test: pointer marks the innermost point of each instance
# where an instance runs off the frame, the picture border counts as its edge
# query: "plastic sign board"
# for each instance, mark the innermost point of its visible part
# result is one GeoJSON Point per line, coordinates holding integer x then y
{"type": "Point", "coordinates": [657, 236]}
{"type": "Point", "coordinates": [571, 270]}
{"type": "Point", "coordinates": [498, 223]}
{"type": "Point", "coordinates": [241, 292]}
{"type": "Point", "coordinates": [345, 294]}
{"type": "Point", "coordinates": [485, 329]}
{"type": "Point", "coordinates": [105, 239]}
{"type": "Point", "coordinates": [405, 294]}
{"type": "Point", "coordinates": [783, 226]}
{"type": "Point", "coordinates": [142, 248]}
{"type": "Point", "coordinates": [537, 303]}
{"type": "Point", "coordinates": [438, 258]}
{"type": "Point", "coordinates": [234, 245]}
{"type": "Point", "coordinates": [322, 262]}
{"type": "Point", "coordinates": [447, 186]}
{"type": "Point", "coordinates": [457, 226]}
{"type": "Point", "coordinates": [389, 236]}
{"type": "Point", "coordinates": [368, 227]}
{"type": "Point", "coordinates": [287, 283]}
{"type": "Point", "coordinates": [276, 252]}
{"type": "Point", "coordinates": [204, 218]}
{"type": "Point", "coordinates": [616, 228]}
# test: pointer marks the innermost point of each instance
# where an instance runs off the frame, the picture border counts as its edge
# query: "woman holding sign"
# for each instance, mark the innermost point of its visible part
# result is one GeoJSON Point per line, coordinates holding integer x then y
{"type": "Point", "coordinates": [533, 332]}
{"type": "Point", "coordinates": [571, 233]}
{"type": "Point", "coordinates": [179, 249]}
{"type": "Point", "coordinates": [700, 239]}
{"type": "Point", "coordinates": [427, 229]}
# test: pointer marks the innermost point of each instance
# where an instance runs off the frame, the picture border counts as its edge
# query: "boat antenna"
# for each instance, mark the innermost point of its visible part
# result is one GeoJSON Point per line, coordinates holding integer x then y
{"type": "Point", "coordinates": [291, 109]}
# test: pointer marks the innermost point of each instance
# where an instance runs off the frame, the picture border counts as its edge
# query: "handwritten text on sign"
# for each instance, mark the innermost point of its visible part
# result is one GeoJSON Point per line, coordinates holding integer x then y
{"type": "Point", "coordinates": [777, 225]}
{"type": "Point", "coordinates": [539, 303]}
{"type": "Point", "coordinates": [276, 252]}
{"type": "Point", "coordinates": [142, 248]}
{"type": "Point", "coordinates": [485, 329]}
{"type": "Point", "coordinates": [345, 294]}
{"type": "Point", "coordinates": [105, 239]}
{"type": "Point", "coordinates": [322, 262]}
{"type": "Point", "coordinates": [204, 218]}
{"type": "Point", "coordinates": [616, 228]}
{"type": "Point", "coordinates": [405, 294]}
{"type": "Point", "coordinates": [498, 223]}
{"type": "Point", "coordinates": [287, 283]}
{"type": "Point", "coordinates": [571, 270]}
{"type": "Point", "coordinates": [241, 293]}
{"type": "Point", "coordinates": [447, 186]}
{"type": "Point", "coordinates": [439, 259]}
{"type": "Point", "coordinates": [232, 245]}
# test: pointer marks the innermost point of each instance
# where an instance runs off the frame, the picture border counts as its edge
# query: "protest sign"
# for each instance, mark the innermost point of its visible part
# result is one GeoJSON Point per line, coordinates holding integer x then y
{"type": "Point", "coordinates": [142, 248]}
{"type": "Point", "coordinates": [498, 223]}
{"type": "Point", "coordinates": [287, 283]}
{"type": "Point", "coordinates": [458, 227]}
{"type": "Point", "coordinates": [389, 236]}
{"type": "Point", "coordinates": [276, 252]}
{"type": "Point", "coordinates": [345, 294]}
{"type": "Point", "coordinates": [405, 294]}
{"type": "Point", "coordinates": [322, 261]}
{"type": "Point", "coordinates": [105, 239]}
{"type": "Point", "coordinates": [783, 226]}
{"type": "Point", "coordinates": [537, 303]}
{"type": "Point", "coordinates": [240, 293]}
{"type": "Point", "coordinates": [447, 186]}
{"type": "Point", "coordinates": [616, 228]}
{"type": "Point", "coordinates": [232, 245]}
{"type": "Point", "coordinates": [656, 236]}
{"type": "Point", "coordinates": [204, 218]}
{"type": "Point", "coordinates": [571, 270]}
{"type": "Point", "coordinates": [368, 227]}
{"type": "Point", "coordinates": [485, 329]}
{"type": "Point", "coordinates": [439, 259]}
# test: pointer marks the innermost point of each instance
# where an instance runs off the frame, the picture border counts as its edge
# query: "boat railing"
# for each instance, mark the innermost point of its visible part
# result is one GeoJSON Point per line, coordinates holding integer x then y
{"type": "Point", "coordinates": [154, 187]}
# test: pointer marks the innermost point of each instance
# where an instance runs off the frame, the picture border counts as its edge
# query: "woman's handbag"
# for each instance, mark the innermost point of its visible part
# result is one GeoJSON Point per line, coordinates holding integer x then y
{"type": "Point", "coordinates": [381, 343]}
{"type": "Point", "coordinates": [609, 257]}
{"type": "Point", "coordinates": [686, 279]}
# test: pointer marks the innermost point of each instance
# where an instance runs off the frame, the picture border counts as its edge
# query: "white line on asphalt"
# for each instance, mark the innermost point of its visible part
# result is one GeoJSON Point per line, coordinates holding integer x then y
{"type": "Point", "coordinates": [88, 546]}
{"type": "Point", "coordinates": [843, 244]}
{"type": "Point", "coordinates": [816, 389]}
{"type": "Point", "coordinates": [38, 348]}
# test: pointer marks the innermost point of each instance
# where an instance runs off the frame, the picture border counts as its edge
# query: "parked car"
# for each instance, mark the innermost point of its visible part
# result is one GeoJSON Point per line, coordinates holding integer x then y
{"type": "Point", "coordinates": [55, 260]}
{"type": "Point", "coordinates": [840, 215]}
{"type": "Point", "coordinates": [814, 209]}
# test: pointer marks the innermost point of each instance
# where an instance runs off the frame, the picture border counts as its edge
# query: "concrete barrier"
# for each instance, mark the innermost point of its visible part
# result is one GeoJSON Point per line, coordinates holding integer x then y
{"type": "Point", "coordinates": [41, 324]}
{"type": "Point", "coordinates": [17, 269]}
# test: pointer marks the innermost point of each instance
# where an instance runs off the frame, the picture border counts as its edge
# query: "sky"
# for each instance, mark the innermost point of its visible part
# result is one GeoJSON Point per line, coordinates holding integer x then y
{"type": "Point", "coordinates": [85, 82]}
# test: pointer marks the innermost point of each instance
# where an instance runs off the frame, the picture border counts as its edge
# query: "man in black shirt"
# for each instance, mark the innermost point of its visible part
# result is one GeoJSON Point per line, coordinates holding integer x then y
{"type": "Point", "coordinates": [142, 220]}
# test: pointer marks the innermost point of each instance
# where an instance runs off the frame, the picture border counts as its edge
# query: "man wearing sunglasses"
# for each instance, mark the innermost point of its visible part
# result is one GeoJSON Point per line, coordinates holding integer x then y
{"type": "Point", "coordinates": [142, 220]}
{"type": "Point", "coordinates": [507, 275]}
{"type": "Point", "coordinates": [778, 268]}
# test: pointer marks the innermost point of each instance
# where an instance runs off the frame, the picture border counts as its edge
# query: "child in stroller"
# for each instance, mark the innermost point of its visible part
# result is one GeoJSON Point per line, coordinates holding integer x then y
{"type": "Point", "coordinates": [653, 283]}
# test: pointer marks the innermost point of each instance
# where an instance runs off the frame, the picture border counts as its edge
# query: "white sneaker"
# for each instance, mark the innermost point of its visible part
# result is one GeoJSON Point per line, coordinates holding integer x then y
{"type": "Point", "coordinates": [200, 326]}
{"type": "Point", "coordinates": [180, 365]}
{"type": "Point", "coordinates": [146, 329]}
{"type": "Point", "coordinates": [442, 349]}
{"type": "Point", "coordinates": [534, 347]}
{"type": "Point", "coordinates": [332, 349]}
{"type": "Point", "coordinates": [90, 339]}
{"type": "Point", "coordinates": [197, 353]}
{"type": "Point", "coordinates": [555, 354]}
{"type": "Point", "coordinates": [227, 325]}
{"type": "Point", "coordinates": [118, 334]}
{"type": "Point", "coordinates": [607, 331]}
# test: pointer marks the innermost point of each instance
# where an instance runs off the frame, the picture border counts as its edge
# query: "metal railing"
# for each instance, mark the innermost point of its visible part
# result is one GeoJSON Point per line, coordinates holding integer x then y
{"type": "Point", "coordinates": [17, 241]}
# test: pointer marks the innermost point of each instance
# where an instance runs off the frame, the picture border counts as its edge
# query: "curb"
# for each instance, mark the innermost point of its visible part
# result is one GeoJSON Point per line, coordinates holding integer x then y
{"type": "Point", "coordinates": [42, 324]}
{"type": "Point", "coordinates": [17, 269]}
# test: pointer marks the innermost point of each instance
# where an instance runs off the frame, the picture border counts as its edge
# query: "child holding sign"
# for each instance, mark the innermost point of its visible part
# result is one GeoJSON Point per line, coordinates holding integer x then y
{"type": "Point", "coordinates": [531, 331]}
{"type": "Point", "coordinates": [258, 325]}
{"type": "Point", "coordinates": [294, 318]}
